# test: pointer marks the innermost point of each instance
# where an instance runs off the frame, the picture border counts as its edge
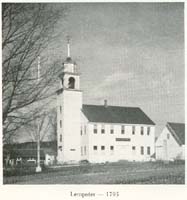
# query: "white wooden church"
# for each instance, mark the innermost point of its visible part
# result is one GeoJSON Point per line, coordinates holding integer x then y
{"type": "Point", "coordinates": [98, 133]}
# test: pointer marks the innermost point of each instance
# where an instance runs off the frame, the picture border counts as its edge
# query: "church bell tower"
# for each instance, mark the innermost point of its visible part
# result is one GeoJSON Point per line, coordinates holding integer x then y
{"type": "Point", "coordinates": [69, 105]}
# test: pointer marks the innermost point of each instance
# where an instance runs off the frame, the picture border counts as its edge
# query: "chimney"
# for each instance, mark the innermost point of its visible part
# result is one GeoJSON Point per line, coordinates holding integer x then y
{"type": "Point", "coordinates": [105, 103]}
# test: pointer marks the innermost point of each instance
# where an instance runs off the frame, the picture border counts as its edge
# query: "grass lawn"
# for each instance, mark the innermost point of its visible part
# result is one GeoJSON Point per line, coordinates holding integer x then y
{"type": "Point", "coordinates": [109, 173]}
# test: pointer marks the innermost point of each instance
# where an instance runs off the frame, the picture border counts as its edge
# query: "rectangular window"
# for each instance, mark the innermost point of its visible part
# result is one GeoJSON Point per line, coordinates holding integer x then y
{"type": "Point", "coordinates": [60, 123]}
{"type": "Point", "coordinates": [112, 148]}
{"type": "Point", "coordinates": [60, 138]}
{"type": "Point", "coordinates": [111, 129]}
{"type": "Point", "coordinates": [122, 129]}
{"type": "Point", "coordinates": [148, 150]}
{"type": "Point", "coordinates": [85, 129]}
{"type": "Point", "coordinates": [84, 150]}
{"type": "Point", "coordinates": [142, 130]}
{"type": "Point", "coordinates": [103, 129]}
{"type": "Point", "coordinates": [102, 147]}
{"type": "Point", "coordinates": [133, 148]}
{"type": "Point", "coordinates": [133, 130]}
{"type": "Point", "coordinates": [148, 130]}
{"type": "Point", "coordinates": [95, 148]}
{"type": "Point", "coordinates": [142, 150]}
{"type": "Point", "coordinates": [168, 136]}
{"type": "Point", "coordinates": [81, 130]}
{"type": "Point", "coordinates": [95, 128]}
{"type": "Point", "coordinates": [60, 109]}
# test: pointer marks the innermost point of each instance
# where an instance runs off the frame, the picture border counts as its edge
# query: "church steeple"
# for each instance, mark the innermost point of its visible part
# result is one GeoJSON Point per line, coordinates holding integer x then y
{"type": "Point", "coordinates": [70, 77]}
{"type": "Point", "coordinates": [69, 111]}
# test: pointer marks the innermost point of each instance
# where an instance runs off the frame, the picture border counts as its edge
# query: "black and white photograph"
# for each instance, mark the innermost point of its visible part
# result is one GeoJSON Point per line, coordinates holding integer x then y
{"type": "Point", "coordinates": [93, 93]}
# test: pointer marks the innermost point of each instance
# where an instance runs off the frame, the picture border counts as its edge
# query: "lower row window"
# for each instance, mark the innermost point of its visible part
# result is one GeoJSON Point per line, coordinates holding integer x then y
{"type": "Point", "coordinates": [148, 150]}
{"type": "Point", "coordinates": [83, 150]}
{"type": "Point", "coordinates": [95, 148]}
{"type": "Point", "coordinates": [142, 150]}
{"type": "Point", "coordinates": [103, 148]}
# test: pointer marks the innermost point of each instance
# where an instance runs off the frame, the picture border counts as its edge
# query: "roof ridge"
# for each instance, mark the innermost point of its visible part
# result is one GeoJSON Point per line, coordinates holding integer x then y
{"type": "Point", "coordinates": [111, 106]}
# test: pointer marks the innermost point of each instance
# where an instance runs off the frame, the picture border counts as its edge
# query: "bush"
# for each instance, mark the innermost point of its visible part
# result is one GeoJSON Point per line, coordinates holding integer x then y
{"type": "Point", "coordinates": [84, 162]}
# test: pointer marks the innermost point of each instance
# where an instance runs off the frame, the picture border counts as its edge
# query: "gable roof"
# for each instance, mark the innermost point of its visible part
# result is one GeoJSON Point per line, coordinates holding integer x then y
{"type": "Point", "coordinates": [178, 131]}
{"type": "Point", "coordinates": [116, 114]}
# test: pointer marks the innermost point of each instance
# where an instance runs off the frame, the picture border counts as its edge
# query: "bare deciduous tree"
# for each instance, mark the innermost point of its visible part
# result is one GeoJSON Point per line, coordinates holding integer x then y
{"type": "Point", "coordinates": [26, 31]}
{"type": "Point", "coordinates": [43, 126]}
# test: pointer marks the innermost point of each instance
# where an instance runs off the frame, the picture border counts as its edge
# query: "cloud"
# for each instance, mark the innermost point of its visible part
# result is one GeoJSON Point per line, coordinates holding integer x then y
{"type": "Point", "coordinates": [103, 89]}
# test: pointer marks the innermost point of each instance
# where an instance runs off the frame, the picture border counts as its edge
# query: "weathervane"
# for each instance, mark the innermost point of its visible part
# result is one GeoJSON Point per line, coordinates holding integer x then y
{"type": "Point", "coordinates": [68, 45]}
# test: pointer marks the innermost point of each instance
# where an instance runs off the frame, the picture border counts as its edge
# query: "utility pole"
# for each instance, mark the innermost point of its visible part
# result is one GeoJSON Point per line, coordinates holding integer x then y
{"type": "Point", "coordinates": [38, 167]}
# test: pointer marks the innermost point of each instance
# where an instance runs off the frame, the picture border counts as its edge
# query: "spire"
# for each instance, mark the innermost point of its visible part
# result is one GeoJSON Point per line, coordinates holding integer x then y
{"type": "Point", "coordinates": [68, 45]}
{"type": "Point", "coordinates": [68, 59]}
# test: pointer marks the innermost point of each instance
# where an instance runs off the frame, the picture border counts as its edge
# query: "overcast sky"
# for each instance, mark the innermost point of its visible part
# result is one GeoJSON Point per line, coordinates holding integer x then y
{"type": "Point", "coordinates": [131, 54]}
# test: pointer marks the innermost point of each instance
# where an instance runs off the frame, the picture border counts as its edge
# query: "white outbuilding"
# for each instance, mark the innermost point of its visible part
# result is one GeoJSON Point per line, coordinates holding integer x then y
{"type": "Point", "coordinates": [170, 144]}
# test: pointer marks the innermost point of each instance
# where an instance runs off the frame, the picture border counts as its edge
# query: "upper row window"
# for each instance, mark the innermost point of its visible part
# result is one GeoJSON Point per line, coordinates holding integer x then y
{"type": "Point", "coordinates": [133, 130]}
{"type": "Point", "coordinates": [148, 130]}
{"type": "Point", "coordinates": [82, 129]}
{"type": "Point", "coordinates": [122, 129]}
{"type": "Point", "coordinates": [95, 128]}
{"type": "Point", "coordinates": [142, 130]}
{"type": "Point", "coordinates": [103, 129]}
{"type": "Point", "coordinates": [112, 129]}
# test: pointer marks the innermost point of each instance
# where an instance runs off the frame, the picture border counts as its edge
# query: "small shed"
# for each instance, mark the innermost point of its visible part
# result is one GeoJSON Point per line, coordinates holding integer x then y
{"type": "Point", "coordinates": [170, 144]}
